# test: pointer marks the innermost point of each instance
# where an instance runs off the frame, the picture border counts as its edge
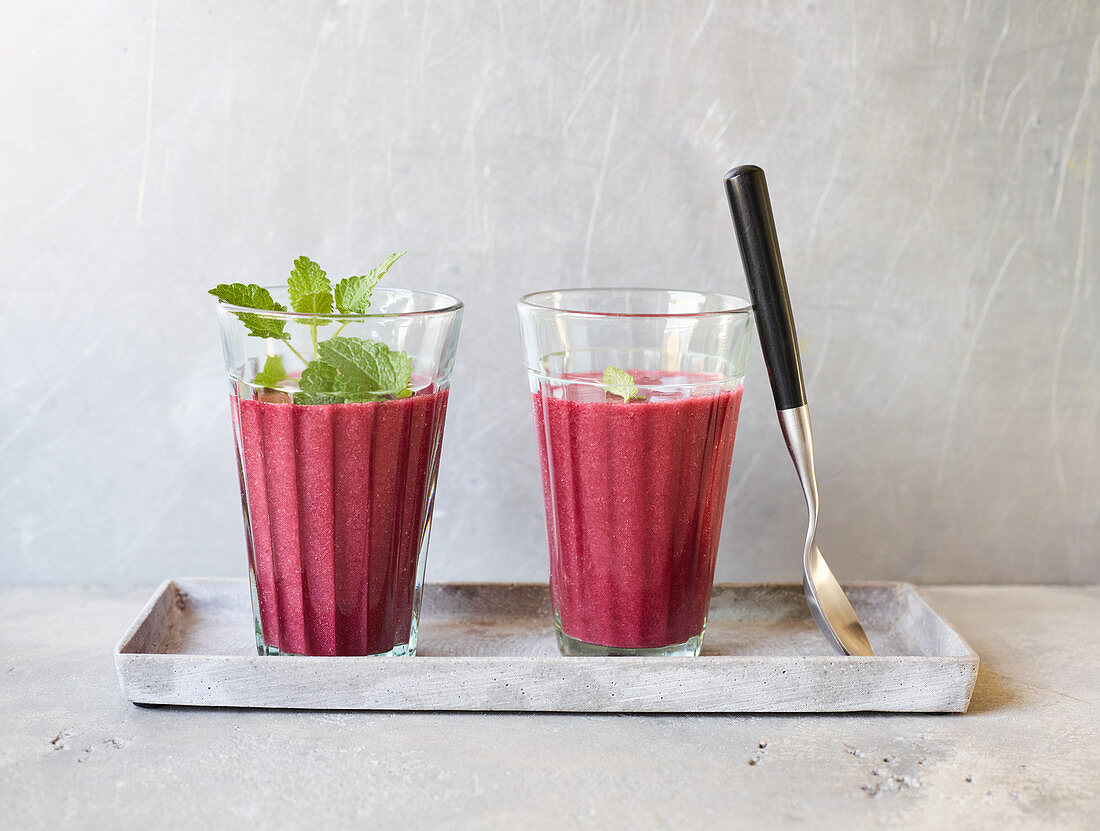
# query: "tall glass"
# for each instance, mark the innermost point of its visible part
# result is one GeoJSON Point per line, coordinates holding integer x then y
{"type": "Point", "coordinates": [634, 466]}
{"type": "Point", "coordinates": [338, 497]}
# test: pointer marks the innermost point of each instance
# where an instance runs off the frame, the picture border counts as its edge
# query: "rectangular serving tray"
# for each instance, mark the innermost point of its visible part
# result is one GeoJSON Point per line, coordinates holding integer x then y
{"type": "Point", "coordinates": [490, 646]}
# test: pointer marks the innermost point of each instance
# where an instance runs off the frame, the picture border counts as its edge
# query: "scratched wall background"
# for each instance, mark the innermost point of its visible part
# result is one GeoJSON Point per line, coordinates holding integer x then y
{"type": "Point", "coordinates": [932, 171]}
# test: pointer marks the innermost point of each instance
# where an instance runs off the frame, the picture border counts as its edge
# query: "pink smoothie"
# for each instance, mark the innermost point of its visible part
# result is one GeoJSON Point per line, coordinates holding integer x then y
{"type": "Point", "coordinates": [634, 499]}
{"type": "Point", "coordinates": [339, 498]}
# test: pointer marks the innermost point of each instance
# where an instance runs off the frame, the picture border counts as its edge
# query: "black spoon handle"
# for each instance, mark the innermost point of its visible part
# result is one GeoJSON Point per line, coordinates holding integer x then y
{"type": "Point", "coordinates": [752, 218]}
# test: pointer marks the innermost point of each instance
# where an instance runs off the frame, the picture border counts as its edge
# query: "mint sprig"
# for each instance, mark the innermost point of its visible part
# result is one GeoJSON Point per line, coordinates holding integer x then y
{"type": "Point", "coordinates": [343, 369]}
{"type": "Point", "coordinates": [620, 383]}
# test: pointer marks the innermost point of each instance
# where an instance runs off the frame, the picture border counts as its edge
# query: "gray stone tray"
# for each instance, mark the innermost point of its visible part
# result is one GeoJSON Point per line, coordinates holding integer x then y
{"type": "Point", "coordinates": [490, 646]}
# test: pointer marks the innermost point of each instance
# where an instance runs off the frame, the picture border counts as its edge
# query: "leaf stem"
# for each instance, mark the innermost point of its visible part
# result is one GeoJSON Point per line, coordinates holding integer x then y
{"type": "Point", "coordinates": [313, 337]}
{"type": "Point", "coordinates": [341, 328]}
{"type": "Point", "coordinates": [301, 357]}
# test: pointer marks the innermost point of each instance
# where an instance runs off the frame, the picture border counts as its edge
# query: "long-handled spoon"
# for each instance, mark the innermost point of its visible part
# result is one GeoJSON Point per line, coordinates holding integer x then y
{"type": "Point", "coordinates": [752, 218]}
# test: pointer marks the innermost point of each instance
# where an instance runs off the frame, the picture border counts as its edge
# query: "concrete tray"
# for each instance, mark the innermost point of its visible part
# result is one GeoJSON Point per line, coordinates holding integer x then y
{"type": "Point", "coordinates": [490, 646]}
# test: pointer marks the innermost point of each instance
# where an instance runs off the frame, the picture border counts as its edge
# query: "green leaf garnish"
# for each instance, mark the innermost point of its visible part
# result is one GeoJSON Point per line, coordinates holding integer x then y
{"type": "Point", "coordinates": [367, 367]}
{"type": "Point", "coordinates": [272, 373]}
{"type": "Point", "coordinates": [254, 297]}
{"type": "Point", "coordinates": [310, 290]}
{"type": "Point", "coordinates": [621, 383]}
{"type": "Point", "coordinates": [343, 369]}
{"type": "Point", "coordinates": [318, 398]}
{"type": "Point", "coordinates": [353, 370]}
{"type": "Point", "coordinates": [353, 294]}
{"type": "Point", "coordinates": [318, 378]}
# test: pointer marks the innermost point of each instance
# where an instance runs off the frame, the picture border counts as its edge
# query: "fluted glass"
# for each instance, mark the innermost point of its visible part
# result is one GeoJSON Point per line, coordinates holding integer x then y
{"type": "Point", "coordinates": [338, 497]}
{"type": "Point", "coordinates": [634, 488]}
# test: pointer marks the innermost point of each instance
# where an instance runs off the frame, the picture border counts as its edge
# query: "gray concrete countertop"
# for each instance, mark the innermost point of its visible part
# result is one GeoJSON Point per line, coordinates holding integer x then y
{"type": "Point", "coordinates": [75, 753]}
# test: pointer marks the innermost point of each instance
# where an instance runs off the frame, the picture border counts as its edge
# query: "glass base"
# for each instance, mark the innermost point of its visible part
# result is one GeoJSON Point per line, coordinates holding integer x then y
{"type": "Point", "coordinates": [401, 650]}
{"type": "Point", "coordinates": [574, 648]}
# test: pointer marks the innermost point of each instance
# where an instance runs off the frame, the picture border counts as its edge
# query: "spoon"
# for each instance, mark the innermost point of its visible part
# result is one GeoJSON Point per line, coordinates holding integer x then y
{"type": "Point", "coordinates": [752, 218]}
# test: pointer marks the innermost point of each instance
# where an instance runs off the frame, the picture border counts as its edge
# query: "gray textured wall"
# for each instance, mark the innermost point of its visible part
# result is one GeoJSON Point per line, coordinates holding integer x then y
{"type": "Point", "coordinates": [931, 165]}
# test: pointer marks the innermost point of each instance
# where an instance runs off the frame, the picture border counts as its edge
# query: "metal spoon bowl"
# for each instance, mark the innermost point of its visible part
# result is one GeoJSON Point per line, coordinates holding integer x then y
{"type": "Point", "coordinates": [828, 604]}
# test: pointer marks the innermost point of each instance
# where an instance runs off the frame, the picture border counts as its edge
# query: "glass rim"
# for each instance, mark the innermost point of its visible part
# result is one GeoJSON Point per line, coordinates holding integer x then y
{"type": "Point", "coordinates": [736, 305]}
{"type": "Point", "coordinates": [453, 305]}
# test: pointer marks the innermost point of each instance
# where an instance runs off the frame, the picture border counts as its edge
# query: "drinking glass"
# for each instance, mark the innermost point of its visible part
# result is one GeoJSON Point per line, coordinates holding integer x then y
{"type": "Point", "coordinates": [338, 497]}
{"type": "Point", "coordinates": [636, 394]}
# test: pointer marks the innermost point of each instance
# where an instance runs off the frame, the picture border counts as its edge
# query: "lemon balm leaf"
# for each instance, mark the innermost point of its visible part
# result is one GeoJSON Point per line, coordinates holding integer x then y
{"type": "Point", "coordinates": [272, 373]}
{"type": "Point", "coordinates": [318, 377]}
{"type": "Point", "coordinates": [309, 288]}
{"type": "Point", "coordinates": [251, 296]}
{"type": "Point", "coordinates": [353, 294]}
{"type": "Point", "coordinates": [318, 398]}
{"type": "Point", "coordinates": [367, 367]}
{"type": "Point", "coordinates": [353, 370]}
{"type": "Point", "coordinates": [620, 383]}
{"type": "Point", "coordinates": [318, 385]}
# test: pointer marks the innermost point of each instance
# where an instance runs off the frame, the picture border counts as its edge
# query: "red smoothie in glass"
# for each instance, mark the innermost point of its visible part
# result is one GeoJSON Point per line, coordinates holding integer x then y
{"type": "Point", "coordinates": [339, 499]}
{"type": "Point", "coordinates": [634, 497]}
